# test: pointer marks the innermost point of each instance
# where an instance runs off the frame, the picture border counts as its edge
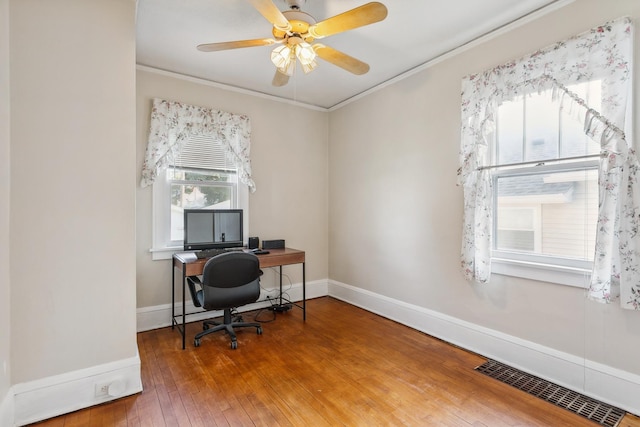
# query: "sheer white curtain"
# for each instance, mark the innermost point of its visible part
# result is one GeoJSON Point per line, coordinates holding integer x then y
{"type": "Point", "coordinates": [603, 53]}
{"type": "Point", "coordinates": [172, 123]}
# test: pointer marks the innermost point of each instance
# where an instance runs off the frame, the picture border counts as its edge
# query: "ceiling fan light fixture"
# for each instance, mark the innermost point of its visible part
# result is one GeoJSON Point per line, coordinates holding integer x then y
{"type": "Point", "coordinates": [307, 68]}
{"type": "Point", "coordinates": [281, 56]}
{"type": "Point", "coordinates": [294, 30]}
{"type": "Point", "coordinates": [288, 68]}
{"type": "Point", "coordinates": [305, 53]}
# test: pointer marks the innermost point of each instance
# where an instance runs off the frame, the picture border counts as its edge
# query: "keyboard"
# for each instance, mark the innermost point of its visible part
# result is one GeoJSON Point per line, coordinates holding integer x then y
{"type": "Point", "coordinates": [210, 253]}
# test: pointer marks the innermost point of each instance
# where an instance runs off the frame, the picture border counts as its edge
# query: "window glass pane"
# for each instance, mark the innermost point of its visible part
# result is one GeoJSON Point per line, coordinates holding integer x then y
{"type": "Point", "coordinates": [548, 131]}
{"type": "Point", "coordinates": [516, 228]}
{"type": "Point", "coordinates": [516, 218]}
{"type": "Point", "coordinates": [510, 132]}
{"type": "Point", "coordinates": [551, 214]}
{"type": "Point", "coordinates": [188, 196]}
{"type": "Point", "coordinates": [198, 189]}
{"type": "Point", "coordinates": [542, 125]}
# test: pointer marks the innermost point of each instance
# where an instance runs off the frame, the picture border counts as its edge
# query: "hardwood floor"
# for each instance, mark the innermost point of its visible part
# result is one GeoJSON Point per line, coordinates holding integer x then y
{"type": "Point", "coordinates": [342, 367]}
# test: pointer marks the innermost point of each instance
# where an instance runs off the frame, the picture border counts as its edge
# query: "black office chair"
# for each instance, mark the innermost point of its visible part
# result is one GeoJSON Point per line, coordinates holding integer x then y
{"type": "Point", "coordinates": [228, 281]}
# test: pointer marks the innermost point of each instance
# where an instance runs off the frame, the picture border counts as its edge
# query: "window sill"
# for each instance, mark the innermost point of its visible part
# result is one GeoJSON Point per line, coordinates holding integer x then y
{"type": "Point", "coordinates": [569, 276]}
{"type": "Point", "coordinates": [164, 253]}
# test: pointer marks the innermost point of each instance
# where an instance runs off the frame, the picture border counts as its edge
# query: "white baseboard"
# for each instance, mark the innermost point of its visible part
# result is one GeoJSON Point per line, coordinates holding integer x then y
{"type": "Point", "coordinates": [60, 394]}
{"type": "Point", "coordinates": [607, 384]}
{"type": "Point", "coordinates": [159, 316]}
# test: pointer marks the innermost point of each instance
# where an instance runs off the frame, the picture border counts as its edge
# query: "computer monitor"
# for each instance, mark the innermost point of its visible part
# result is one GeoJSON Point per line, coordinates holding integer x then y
{"type": "Point", "coordinates": [212, 228]}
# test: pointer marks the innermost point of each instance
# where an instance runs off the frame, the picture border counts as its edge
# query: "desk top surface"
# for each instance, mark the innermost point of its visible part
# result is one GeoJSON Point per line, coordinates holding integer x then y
{"type": "Point", "coordinates": [275, 257]}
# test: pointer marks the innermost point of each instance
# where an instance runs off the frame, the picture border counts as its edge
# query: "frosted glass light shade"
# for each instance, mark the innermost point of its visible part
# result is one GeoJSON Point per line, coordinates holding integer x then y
{"type": "Point", "coordinates": [305, 53]}
{"type": "Point", "coordinates": [281, 56]}
{"type": "Point", "coordinates": [307, 68]}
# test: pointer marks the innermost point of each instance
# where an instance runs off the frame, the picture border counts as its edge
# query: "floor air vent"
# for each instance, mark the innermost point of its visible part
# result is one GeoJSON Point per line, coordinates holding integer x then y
{"type": "Point", "coordinates": [577, 403]}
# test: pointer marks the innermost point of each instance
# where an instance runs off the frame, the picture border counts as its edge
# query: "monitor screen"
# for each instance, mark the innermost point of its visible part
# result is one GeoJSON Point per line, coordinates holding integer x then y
{"type": "Point", "coordinates": [212, 228]}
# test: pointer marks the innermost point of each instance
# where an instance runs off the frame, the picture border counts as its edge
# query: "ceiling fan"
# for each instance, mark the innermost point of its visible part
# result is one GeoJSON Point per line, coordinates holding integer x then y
{"type": "Point", "coordinates": [295, 30]}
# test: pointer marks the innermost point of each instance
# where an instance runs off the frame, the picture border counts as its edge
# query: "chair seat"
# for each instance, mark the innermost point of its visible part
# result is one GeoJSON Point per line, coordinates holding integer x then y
{"type": "Point", "coordinates": [229, 280]}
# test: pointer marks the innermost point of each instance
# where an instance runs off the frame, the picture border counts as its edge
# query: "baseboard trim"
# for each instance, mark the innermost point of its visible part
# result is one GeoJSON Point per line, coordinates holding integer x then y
{"type": "Point", "coordinates": [607, 384]}
{"type": "Point", "coordinates": [159, 316]}
{"type": "Point", "coordinates": [60, 394]}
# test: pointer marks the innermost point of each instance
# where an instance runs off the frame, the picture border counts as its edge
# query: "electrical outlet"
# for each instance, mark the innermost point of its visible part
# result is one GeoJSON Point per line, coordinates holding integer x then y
{"type": "Point", "coordinates": [102, 389]}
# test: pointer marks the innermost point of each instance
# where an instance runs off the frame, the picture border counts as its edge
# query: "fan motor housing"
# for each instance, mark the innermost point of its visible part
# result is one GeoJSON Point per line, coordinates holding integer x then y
{"type": "Point", "coordinates": [300, 23]}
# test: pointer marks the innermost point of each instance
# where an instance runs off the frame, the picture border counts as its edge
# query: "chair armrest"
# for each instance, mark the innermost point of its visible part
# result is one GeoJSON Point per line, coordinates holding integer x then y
{"type": "Point", "coordinates": [192, 281]}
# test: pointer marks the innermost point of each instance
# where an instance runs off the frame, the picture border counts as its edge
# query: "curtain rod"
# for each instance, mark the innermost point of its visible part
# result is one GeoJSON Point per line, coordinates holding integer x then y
{"type": "Point", "coordinates": [538, 162]}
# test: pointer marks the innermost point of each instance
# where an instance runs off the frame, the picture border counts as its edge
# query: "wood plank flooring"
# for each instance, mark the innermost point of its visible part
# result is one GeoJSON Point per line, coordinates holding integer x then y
{"type": "Point", "coordinates": [342, 367]}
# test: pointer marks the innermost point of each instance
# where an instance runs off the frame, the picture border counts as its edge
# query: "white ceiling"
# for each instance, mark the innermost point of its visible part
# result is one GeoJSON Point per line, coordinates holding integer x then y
{"type": "Point", "coordinates": [414, 32]}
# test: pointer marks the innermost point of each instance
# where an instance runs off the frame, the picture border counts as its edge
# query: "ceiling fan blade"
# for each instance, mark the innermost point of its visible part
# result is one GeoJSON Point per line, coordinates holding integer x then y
{"type": "Point", "coordinates": [354, 18]}
{"type": "Point", "coordinates": [271, 12]}
{"type": "Point", "coordinates": [214, 47]}
{"type": "Point", "coordinates": [340, 59]}
{"type": "Point", "coordinates": [280, 79]}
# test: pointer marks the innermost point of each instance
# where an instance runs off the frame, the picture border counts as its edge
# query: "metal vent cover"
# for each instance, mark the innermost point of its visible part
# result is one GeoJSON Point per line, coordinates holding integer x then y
{"type": "Point", "coordinates": [577, 403]}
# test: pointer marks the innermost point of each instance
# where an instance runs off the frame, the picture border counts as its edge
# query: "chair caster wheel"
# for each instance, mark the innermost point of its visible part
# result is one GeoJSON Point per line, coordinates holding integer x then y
{"type": "Point", "coordinates": [234, 345]}
{"type": "Point", "coordinates": [259, 330]}
{"type": "Point", "coordinates": [196, 342]}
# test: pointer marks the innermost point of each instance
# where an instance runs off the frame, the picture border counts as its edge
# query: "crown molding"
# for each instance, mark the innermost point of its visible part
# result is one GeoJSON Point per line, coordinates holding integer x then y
{"type": "Point", "coordinates": [230, 88]}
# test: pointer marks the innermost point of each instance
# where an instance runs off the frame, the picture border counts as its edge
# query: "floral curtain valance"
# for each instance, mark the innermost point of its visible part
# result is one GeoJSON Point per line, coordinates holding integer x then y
{"type": "Point", "coordinates": [604, 53]}
{"type": "Point", "coordinates": [172, 123]}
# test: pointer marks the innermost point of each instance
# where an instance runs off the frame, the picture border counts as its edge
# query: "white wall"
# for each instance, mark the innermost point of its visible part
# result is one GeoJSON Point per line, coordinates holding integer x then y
{"type": "Point", "coordinates": [289, 163]}
{"type": "Point", "coordinates": [393, 157]}
{"type": "Point", "coordinates": [5, 307]}
{"type": "Point", "coordinates": [72, 201]}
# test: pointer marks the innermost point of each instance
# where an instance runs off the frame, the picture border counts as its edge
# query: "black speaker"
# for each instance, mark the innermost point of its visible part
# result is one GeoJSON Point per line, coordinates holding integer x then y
{"type": "Point", "coordinates": [273, 244]}
{"type": "Point", "coordinates": [254, 242]}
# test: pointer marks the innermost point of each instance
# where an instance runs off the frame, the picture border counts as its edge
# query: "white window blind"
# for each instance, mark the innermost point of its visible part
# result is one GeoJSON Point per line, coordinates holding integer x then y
{"type": "Point", "coordinates": [203, 152]}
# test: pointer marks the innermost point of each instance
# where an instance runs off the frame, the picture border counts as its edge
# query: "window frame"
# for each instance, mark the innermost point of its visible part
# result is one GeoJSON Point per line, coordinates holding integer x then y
{"type": "Point", "coordinates": [564, 271]}
{"type": "Point", "coordinates": [162, 247]}
{"type": "Point", "coordinates": [553, 269]}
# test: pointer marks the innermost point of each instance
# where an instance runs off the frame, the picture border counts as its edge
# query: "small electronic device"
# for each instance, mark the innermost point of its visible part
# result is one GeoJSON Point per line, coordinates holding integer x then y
{"type": "Point", "coordinates": [273, 244]}
{"type": "Point", "coordinates": [212, 228]}
{"type": "Point", "coordinates": [253, 243]}
{"type": "Point", "coordinates": [257, 251]}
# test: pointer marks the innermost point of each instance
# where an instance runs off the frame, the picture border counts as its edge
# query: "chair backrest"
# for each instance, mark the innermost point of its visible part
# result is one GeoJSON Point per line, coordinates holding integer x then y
{"type": "Point", "coordinates": [230, 280]}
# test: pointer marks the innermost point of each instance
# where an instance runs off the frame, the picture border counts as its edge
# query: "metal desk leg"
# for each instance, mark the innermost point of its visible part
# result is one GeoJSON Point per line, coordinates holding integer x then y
{"type": "Point", "coordinates": [280, 286]}
{"type": "Point", "coordinates": [304, 294]}
{"type": "Point", "coordinates": [173, 295]}
{"type": "Point", "coordinates": [184, 306]}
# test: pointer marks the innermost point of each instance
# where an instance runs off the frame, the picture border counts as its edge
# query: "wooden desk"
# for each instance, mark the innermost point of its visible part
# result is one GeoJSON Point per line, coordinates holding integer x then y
{"type": "Point", "coordinates": [190, 265]}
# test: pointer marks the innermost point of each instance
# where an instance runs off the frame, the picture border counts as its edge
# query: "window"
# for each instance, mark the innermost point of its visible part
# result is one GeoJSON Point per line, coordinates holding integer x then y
{"type": "Point", "coordinates": [514, 137]}
{"type": "Point", "coordinates": [545, 180]}
{"type": "Point", "coordinates": [201, 178]}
